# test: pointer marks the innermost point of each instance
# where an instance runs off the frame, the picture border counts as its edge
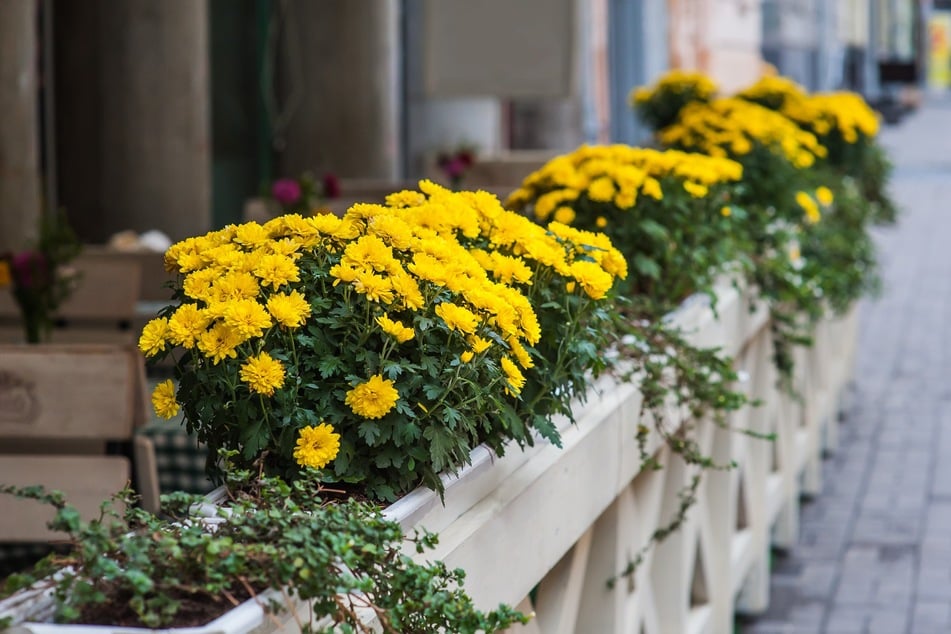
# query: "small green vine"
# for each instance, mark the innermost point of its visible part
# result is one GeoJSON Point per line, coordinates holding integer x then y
{"type": "Point", "coordinates": [669, 370]}
{"type": "Point", "coordinates": [137, 569]}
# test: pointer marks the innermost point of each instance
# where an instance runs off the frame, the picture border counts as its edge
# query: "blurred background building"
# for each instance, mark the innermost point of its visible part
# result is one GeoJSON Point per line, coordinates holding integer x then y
{"type": "Point", "coordinates": [170, 114]}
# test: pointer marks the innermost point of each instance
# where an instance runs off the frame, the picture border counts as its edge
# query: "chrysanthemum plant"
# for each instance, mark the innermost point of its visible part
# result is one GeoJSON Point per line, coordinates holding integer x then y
{"type": "Point", "coordinates": [779, 160]}
{"type": "Point", "coordinates": [843, 123]}
{"type": "Point", "coordinates": [672, 215]}
{"type": "Point", "coordinates": [839, 251]}
{"type": "Point", "coordinates": [659, 105]}
{"type": "Point", "coordinates": [380, 347]}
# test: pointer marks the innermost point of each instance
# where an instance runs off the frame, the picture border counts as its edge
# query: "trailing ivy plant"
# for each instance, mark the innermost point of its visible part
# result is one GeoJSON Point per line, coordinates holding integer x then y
{"type": "Point", "coordinates": [672, 373]}
{"type": "Point", "coordinates": [137, 569]}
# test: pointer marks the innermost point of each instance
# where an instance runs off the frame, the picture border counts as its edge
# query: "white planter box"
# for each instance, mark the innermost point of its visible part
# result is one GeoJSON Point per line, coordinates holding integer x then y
{"type": "Point", "coordinates": [565, 521]}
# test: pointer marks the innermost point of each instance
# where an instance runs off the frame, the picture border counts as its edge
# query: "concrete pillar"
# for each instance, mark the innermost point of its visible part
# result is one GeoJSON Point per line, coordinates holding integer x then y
{"type": "Point", "coordinates": [340, 92]}
{"type": "Point", "coordinates": [19, 126]}
{"type": "Point", "coordinates": [156, 140]}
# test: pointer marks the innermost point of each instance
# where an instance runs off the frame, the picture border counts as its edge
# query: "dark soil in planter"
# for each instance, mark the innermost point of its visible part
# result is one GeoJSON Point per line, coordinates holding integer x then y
{"type": "Point", "coordinates": [195, 610]}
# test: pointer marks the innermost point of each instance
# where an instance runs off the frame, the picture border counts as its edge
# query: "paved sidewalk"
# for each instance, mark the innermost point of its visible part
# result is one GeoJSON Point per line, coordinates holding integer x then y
{"type": "Point", "coordinates": [875, 546]}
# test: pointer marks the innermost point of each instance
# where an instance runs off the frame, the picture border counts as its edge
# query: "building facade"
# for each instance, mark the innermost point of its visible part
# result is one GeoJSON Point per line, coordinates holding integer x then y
{"type": "Point", "coordinates": [152, 114]}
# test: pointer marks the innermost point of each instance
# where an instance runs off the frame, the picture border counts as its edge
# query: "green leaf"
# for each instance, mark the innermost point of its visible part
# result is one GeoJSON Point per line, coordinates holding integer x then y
{"type": "Point", "coordinates": [370, 431]}
{"type": "Point", "coordinates": [646, 266]}
{"type": "Point", "coordinates": [329, 366]}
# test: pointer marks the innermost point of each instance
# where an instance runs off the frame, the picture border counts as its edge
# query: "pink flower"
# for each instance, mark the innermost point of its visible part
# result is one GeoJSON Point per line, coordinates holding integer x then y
{"type": "Point", "coordinates": [286, 191]}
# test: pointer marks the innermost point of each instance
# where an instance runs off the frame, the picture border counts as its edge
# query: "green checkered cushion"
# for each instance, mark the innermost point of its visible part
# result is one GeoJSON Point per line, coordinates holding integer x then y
{"type": "Point", "coordinates": [179, 458]}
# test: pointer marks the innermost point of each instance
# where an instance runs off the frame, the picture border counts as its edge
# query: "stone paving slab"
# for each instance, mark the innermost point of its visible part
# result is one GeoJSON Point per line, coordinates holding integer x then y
{"type": "Point", "coordinates": [875, 546]}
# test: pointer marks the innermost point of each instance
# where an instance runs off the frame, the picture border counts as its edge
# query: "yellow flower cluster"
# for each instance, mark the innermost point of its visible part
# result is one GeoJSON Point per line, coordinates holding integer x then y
{"type": "Point", "coordinates": [427, 257]}
{"type": "Point", "coordinates": [773, 91]}
{"type": "Point", "coordinates": [518, 245]}
{"type": "Point", "coordinates": [732, 127]}
{"type": "Point", "coordinates": [677, 82]}
{"type": "Point", "coordinates": [809, 206]}
{"type": "Point", "coordinates": [846, 112]}
{"type": "Point", "coordinates": [811, 203]}
{"type": "Point", "coordinates": [619, 175]}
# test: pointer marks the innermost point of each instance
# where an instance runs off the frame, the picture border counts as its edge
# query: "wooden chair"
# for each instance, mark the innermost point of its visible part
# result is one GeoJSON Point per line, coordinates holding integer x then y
{"type": "Point", "coordinates": [61, 405]}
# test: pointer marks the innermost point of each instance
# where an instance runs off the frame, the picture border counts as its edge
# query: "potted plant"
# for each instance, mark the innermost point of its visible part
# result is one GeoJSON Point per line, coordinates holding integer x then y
{"type": "Point", "coordinates": [380, 347]}
{"type": "Point", "coordinates": [372, 352]}
{"type": "Point", "coordinates": [39, 278]}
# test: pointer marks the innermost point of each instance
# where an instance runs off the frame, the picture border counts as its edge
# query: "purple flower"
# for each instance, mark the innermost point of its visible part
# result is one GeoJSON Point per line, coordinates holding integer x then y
{"type": "Point", "coordinates": [331, 185]}
{"type": "Point", "coordinates": [286, 191]}
{"type": "Point", "coordinates": [454, 168]}
{"type": "Point", "coordinates": [29, 269]}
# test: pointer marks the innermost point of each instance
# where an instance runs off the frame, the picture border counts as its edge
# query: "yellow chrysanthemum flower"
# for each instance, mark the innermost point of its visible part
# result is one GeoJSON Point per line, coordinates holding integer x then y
{"type": "Point", "coordinates": [187, 324]}
{"type": "Point", "coordinates": [317, 446]}
{"type": "Point", "coordinates": [595, 281]}
{"type": "Point", "coordinates": [290, 310]}
{"type": "Point", "coordinates": [276, 270]}
{"type": "Point", "coordinates": [374, 398]}
{"type": "Point", "coordinates": [369, 252]}
{"type": "Point", "coordinates": [652, 188]}
{"type": "Point", "coordinates": [408, 290]}
{"type": "Point", "coordinates": [392, 230]}
{"type": "Point", "coordinates": [219, 342]}
{"type": "Point", "coordinates": [564, 215]}
{"type": "Point", "coordinates": [263, 374]}
{"type": "Point", "coordinates": [235, 285]}
{"type": "Point", "coordinates": [516, 379]}
{"type": "Point", "coordinates": [247, 318]}
{"type": "Point", "coordinates": [521, 354]}
{"type": "Point", "coordinates": [808, 205]}
{"type": "Point", "coordinates": [507, 269]}
{"type": "Point", "coordinates": [466, 356]}
{"type": "Point", "coordinates": [601, 190]}
{"type": "Point", "coordinates": [395, 329]}
{"type": "Point", "coordinates": [457, 317]}
{"type": "Point", "coordinates": [198, 285]}
{"type": "Point", "coordinates": [163, 399]}
{"type": "Point", "coordinates": [696, 189]}
{"type": "Point", "coordinates": [825, 196]}
{"type": "Point", "coordinates": [405, 198]}
{"type": "Point", "coordinates": [478, 344]}
{"type": "Point", "coordinates": [376, 287]}
{"type": "Point", "coordinates": [154, 337]}
{"type": "Point", "coordinates": [251, 234]}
